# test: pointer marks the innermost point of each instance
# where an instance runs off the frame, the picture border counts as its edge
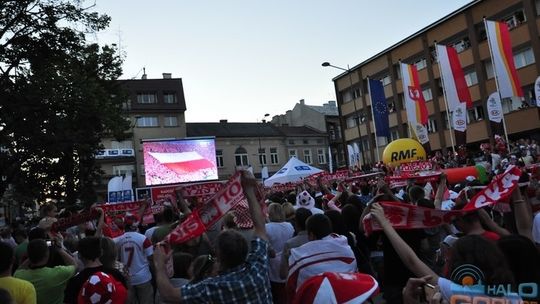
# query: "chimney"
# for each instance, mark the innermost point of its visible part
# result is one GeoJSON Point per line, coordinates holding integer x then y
{"type": "Point", "coordinates": [332, 103]}
{"type": "Point", "coordinates": [166, 75]}
{"type": "Point", "coordinates": [144, 76]}
{"type": "Point", "coordinates": [223, 121]}
{"type": "Point", "coordinates": [301, 101]}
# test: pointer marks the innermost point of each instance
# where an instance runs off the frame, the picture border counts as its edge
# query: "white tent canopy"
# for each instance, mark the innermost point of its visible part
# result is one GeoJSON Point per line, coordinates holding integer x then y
{"type": "Point", "coordinates": [294, 170]}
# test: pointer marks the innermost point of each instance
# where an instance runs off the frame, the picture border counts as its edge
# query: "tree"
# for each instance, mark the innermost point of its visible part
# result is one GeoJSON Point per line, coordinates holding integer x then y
{"type": "Point", "coordinates": [59, 98]}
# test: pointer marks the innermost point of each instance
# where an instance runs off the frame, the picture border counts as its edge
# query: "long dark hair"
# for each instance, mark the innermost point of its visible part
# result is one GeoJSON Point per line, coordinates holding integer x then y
{"type": "Point", "coordinates": [522, 257]}
{"type": "Point", "coordinates": [477, 251]}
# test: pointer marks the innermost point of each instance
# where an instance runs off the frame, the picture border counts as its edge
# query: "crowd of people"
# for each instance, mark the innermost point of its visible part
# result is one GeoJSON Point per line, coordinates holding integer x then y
{"type": "Point", "coordinates": [306, 245]}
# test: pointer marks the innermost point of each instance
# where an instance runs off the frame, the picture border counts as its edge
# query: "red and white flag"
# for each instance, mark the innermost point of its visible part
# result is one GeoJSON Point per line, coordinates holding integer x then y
{"type": "Point", "coordinates": [503, 59]}
{"type": "Point", "coordinates": [415, 105]}
{"type": "Point", "coordinates": [453, 78]}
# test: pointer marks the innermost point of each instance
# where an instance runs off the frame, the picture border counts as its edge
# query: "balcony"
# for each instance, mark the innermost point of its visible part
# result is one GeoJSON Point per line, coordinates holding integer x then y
{"type": "Point", "coordinates": [522, 120]}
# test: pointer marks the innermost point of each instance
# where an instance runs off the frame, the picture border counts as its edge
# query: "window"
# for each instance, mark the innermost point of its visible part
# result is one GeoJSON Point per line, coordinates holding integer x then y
{"type": "Point", "coordinates": [169, 97]}
{"type": "Point", "coordinates": [262, 156]}
{"type": "Point", "coordinates": [350, 94]}
{"type": "Point", "coordinates": [170, 121]}
{"type": "Point", "coordinates": [446, 124]}
{"type": "Point", "coordinates": [515, 19]}
{"type": "Point", "coordinates": [321, 156]}
{"type": "Point", "coordinates": [394, 134]}
{"type": "Point", "coordinates": [489, 69]}
{"type": "Point", "coordinates": [273, 156]}
{"type": "Point", "coordinates": [471, 78]}
{"type": "Point", "coordinates": [427, 94]}
{"type": "Point", "coordinates": [397, 69]}
{"type": "Point", "coordinates": [241, 157]}
{"type": "Point", "coordinates": [420, 64]}
{"type": "Point", "coordinates": [476, 113]}
{"type": "Point", "coordinates": [147, 97]}
{"type": "Point", "coordinates": [510, 104]}
{"type": "Point", "coordinates": [147, 121]}
{"type": "Point", "coordinates": [292, 153]}
{"type": "Point", "coordinates": [406, 130]}
{"type": "Point", "coordinates": [320, 141]}
{"type": "Point", "coordinates": [386, 80]}
{"type": "Point", "coordinates": [524, 58]}
{"type": "Point", "coordinates": [401, 100]}
{"type": "Point", "coordinates": [307, 156]}
{"type": "Point", "coordinates": [219, 158]}
{"type": "Point", "coordinates": [365, 144]}
{"type": "Point", "coordinates": [123, 170]}
{"type": "Point", "coordinates": [351, 122]}
{"type": "Point", "coordinates": [305, 141]}
{"type": "Point", "coordinates": [432, 125]}
{"type": "Point", "coordinates": [141, 172]}
{"type": "Point", "coordinates": [462, 45]}
{"type": "Point", "coordinates": [357, 93]}
{"type": "Point", "coordinates": [291, 141]}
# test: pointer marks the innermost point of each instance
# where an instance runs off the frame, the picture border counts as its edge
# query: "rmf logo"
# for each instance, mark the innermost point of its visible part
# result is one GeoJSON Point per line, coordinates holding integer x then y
{"type": "Point", "coordinates": [401, 155]}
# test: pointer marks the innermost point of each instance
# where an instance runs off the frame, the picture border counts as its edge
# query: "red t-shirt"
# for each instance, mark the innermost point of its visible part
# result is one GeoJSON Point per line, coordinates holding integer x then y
{"type": "Point", "coordinates": [492, 236]}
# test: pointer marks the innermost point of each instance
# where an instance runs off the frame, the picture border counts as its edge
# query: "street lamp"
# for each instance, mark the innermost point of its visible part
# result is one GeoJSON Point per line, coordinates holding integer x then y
{"type": "Point", "coordinates": [263, 120]}
{"type": "Point", "coordinates": [349, 72]}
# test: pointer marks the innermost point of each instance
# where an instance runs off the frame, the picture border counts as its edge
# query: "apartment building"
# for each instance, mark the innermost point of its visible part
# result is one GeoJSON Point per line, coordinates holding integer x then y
{"type": "Point", "coordinates": [156, 109]}
{"type": "Point", "coordinates": [464, 30]}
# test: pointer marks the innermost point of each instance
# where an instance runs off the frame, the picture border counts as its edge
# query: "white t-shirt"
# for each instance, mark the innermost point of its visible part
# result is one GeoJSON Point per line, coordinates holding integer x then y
{"type": "Point", "coordinates": [278, 234]}
{"type": "Point", "coordinates": [536, 228]}
{"type": "Point", "coordinates": [149, 232]}
{"type": "Point", "coordinates": [134, 250]}
{"type": "Point", "coordinates": [331, 253]}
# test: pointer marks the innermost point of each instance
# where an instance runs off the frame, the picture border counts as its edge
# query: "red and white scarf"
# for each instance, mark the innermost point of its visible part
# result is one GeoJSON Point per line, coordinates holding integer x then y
{"type": "Point", "coordinates": [207, 215]}
{"type": "Point", "coordinates": [405, 216]}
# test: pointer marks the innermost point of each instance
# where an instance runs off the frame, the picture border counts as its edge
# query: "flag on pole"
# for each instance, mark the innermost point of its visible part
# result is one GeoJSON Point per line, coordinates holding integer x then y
{"type": "Point", "coordinates": [415, 105]}
{"type": "Point", "coordinates": [494, 107]}
{"type": "Point", "coordinates": [459, 117]}
{"type": "Point", "coordinates": [453, 78]}
{"type": "Point", "coordinates": [379, 108]}
{"type": "Point", "coordinates": [503, 59]}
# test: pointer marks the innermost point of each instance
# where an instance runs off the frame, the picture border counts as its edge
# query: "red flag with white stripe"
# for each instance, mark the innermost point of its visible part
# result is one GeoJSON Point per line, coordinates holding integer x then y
{"type": "Point", "coordinates": [453, 78]}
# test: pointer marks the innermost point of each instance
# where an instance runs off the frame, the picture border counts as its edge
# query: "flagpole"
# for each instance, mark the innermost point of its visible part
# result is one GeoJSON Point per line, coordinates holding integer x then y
{"type": "Point", "coordinates": [450, 124]}
{"type": "Point", "coordinates": [373, 119]}
{"type": "Point", "coordinates": [497, 85]}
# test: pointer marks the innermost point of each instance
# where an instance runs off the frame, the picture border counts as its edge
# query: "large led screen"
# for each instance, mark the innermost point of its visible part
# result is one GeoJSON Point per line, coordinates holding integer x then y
{"type": "Point", "coordinates": [179, 161]}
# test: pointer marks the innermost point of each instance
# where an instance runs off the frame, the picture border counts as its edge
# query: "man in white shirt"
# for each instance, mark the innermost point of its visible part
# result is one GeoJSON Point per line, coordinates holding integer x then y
{"type": "Point", "coordinates": [135, 251]}
{"type": "Point", "coordinates": [324, 252]}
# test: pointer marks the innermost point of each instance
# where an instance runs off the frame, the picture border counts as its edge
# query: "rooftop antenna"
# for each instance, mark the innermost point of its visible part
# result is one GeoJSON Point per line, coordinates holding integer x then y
{"type": "Point", "coordinates": [144, 76]}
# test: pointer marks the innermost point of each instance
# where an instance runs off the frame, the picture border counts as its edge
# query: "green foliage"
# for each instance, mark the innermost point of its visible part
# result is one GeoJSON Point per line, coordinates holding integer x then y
{"type": "Point", "coordinates": [59, 98]}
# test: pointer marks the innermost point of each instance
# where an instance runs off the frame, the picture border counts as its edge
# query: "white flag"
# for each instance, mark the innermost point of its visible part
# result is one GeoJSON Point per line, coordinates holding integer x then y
{"type": "Point", "coordinates": [330, 165]}
{"type": "Point", "coordinates": [459, 117]}
{"type": "Point", "coordinates": [494, 107]}
{"type": "Point", "coordinates": [422, 134]}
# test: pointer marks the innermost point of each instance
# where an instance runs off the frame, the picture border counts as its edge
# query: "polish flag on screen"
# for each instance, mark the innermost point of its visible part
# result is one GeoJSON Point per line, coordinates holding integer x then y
{"type": "Point", "coordinates": [503, 59]}
{"type": "Point", "coordinates": [182, 162]}
{"type": "Point", "coordinates": [453, 78]}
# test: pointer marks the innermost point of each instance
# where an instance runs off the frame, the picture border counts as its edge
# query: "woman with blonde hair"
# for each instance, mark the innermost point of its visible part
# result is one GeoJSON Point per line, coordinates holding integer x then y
{"type": "Point", "coordinates": [288, 210]}
{"type": "Point", "coordinates": [278, 231]}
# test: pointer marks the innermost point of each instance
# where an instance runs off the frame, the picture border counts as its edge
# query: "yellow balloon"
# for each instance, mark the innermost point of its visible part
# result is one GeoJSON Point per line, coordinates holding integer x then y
{"type": "Point", "coordinates": [404, 150]}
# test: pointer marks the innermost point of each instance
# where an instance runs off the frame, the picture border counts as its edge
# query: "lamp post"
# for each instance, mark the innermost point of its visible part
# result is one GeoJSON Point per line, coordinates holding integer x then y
{"type": "Point", "coordinates": [263, 120]}
{"type": "Point", "coordinates": [349, 72]}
